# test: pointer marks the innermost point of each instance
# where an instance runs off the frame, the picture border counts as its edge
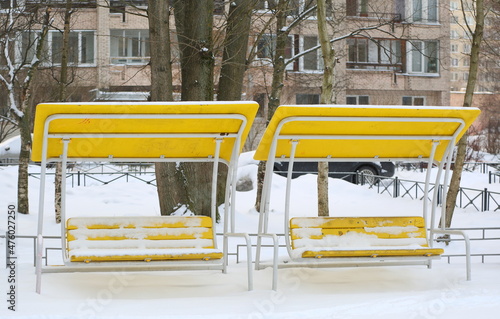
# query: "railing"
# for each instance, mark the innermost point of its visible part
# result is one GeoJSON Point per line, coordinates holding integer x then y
{"type": "Point", "coordinates": [479, 199]}
{"type": "Point", "coordinates": [397, 67]}
{"type": "Point", "coordinates": [395, 17]}
{"type": "Point", "coordinates": [81, 178]}
{"type": "Point", "coordinates": [487, 233]}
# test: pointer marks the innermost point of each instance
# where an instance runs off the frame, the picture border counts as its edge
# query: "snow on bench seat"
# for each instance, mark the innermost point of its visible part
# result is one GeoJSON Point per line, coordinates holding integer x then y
{"type": "Point", "coordinates": [140, 238]}
{"type": "Point", "coordinates": [319, 237]}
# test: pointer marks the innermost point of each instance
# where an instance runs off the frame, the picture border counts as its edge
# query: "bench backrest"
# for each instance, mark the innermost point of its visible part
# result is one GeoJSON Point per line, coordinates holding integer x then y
{"type": "Point", "coordinates": [140, 232]}
{"type": "Point", "coordinates": [357, 232]}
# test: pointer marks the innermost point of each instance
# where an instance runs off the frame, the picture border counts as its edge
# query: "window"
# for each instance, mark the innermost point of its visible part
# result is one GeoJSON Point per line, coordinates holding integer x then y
{"type": "Point", "coordinates": [6, 4]}
{"type": "Point", "coordinates": [265, 5]}
{"type": "Point", "coordinates": [81, 47]}
{"type": "Point", "coordinates": [378, 54]}
{"type": "Point", "coordinates": [357, 100]}
{"type": "Point", "coordinates": [466, 61]}
{"type": "Point", "coordinates": [266, 47]}
{"type": "Point", "coordinates": [465, 76]}
{"type": "Point", "coordinates": [28, 47]}
{"type": "Point", "coordinates": [423, 11]}
{"type": "Point", "coordinates": [357, 8]}
{"type": "Point", "coordinates": [454, 48]}
{"type": "Point", "coordinates": [454, 76]}
{"type": "Point", "coordinates": [467, 48]}
{"type": "Point", "coordinates": [414, 100]}
{"type": "Point", "coordinates": [454, 62]}
{"type": "Point", "coordinates": [307, 98]}
{"type": "Point", "coordinates": [129, 46]}
{"type": "Point", "coordinates": [311, 61]}
{"type": "Point", "coordinates": [454, 34]}
{"type": "Point", "coordinates": [423, 57]}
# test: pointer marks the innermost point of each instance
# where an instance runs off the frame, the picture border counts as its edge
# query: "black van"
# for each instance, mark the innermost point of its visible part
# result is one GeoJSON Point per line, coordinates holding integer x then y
{"type": "Point", "coordinates": [355, 172]}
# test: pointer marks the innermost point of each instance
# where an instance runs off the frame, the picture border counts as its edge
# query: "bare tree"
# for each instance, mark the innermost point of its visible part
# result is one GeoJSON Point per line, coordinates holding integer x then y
{"type": "Point", "coordinates": [326, 98]}
{"type": "Point", "coordinates": [161, 90]}
{"type": "Point", "coordinates": [283, 28]}
{"type": "Point", "coordinates": [63, 83]}
{"type": "Point", "coordinates": [18, 79]}
{"type": "Point", "coordinates": [477, 36]}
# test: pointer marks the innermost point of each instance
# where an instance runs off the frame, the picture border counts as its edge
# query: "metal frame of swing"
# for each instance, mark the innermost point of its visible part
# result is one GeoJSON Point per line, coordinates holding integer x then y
{"type": "Point", "coordinates": [295, 138]}
{"type": "Point", "coordinates": [229, 211]}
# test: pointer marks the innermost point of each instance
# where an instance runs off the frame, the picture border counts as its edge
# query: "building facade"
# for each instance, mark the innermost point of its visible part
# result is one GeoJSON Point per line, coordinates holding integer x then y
{"type": "Point", "coordinates": [387, 52]}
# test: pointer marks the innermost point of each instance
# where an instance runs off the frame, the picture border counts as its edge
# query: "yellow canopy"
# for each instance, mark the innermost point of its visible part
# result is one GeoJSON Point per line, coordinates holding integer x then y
{"type": "Point", "coordinates": [141, 130]}
{"type": "Point", "coordinates": [364, 132]}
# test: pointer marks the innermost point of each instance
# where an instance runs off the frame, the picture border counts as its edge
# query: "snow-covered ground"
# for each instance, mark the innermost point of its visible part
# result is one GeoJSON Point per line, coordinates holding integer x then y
{"type": "Point", "coordinates": [381, 292]}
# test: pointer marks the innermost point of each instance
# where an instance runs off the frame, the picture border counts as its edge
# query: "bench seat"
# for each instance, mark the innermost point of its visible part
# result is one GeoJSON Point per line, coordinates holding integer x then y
{"type": "Point", "coordinates": [324, 237]}
{"type": "Point", "coordinates": [140, 239]}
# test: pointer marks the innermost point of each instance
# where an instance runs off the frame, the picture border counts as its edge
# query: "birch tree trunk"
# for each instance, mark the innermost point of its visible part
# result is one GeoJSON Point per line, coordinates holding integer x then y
{"type": "Point", "coordinates": [24, 119]}
{"type": "Point", "coordinates": [325, 98]}
{"type": "Point", "coordinates": [63, 82]}
{"type": "Point", "coordinates": [477, 37]}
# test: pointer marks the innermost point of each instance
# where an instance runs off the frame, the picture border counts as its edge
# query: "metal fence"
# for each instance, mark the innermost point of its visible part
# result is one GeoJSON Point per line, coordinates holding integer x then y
{"type": "Point", "coordinates": [479, 199]}
{"type": "Point", "coordinates": [475, 234]}
{"type": "Point", "coordinates": [81, 178]}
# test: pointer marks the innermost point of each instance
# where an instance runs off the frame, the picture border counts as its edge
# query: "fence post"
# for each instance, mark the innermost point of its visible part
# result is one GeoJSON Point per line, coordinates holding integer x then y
{"type": "Point", "coordinates": [395, 192]}
{"type": "Point", "coordinates": [78, 180]}
{"type": "Point", "coordinates": [485, 200]}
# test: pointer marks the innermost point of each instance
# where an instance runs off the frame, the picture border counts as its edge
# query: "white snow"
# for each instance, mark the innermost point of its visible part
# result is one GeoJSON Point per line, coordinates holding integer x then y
{"type": "Point", "coordinates": [11, 147]}
{"type": "Point", "coordinates": [320, 293]}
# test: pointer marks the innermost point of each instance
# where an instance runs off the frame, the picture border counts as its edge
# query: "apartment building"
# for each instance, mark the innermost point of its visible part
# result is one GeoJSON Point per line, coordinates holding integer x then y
{"type": "Point", "coordinates": [462, 21]}
{"type": "Point", "coordinates": [404, 60]}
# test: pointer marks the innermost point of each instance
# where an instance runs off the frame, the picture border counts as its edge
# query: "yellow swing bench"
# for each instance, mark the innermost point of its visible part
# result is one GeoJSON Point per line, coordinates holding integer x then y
{"type": "Point", "coordinates": [361, 134]}
{"type": "Point", "coordinates": [142, 132]}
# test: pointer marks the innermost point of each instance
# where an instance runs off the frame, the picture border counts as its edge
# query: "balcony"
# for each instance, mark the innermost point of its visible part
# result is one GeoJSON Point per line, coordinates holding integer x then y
{"type": "Point", "coordinates": [375, 66]}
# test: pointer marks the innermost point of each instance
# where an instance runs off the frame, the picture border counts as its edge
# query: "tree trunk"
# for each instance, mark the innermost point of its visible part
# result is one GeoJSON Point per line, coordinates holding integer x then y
{"type": "Point", "coordinates": [235, 50]}
{"type": "Point", "coordinates": [194, 24]}
{"type": "Point", "coordinates": [234, 65]}
{"type": "Point", "coordinates": [161, 90]}
{"type": "Point", "coordinates": [277, 82]}
{"type": "Point", "coordinates": [63, 82]}
{"type": "Point", "coordinates": [24, 121]}
{"type": "Point", "coordinates": [24, 156]}
{"type": "Point", "coordinates": [325, 98]}
{"type": "Point", "coordinates": [477, 37]}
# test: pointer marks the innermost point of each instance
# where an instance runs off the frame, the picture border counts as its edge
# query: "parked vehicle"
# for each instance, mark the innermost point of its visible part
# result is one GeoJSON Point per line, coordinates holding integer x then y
{"type": "Point", "coordinates": [355, 172]}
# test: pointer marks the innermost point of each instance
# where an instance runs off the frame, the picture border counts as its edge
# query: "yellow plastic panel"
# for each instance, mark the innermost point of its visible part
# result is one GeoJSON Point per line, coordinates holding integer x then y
{"type": "Point", "coordinates": [374, 253]}
{"type": "Point", "coordinates": [148, 227]}
{"type": "Point", "coordinates": [139, 221]}
{"type": "Point", "coordinates": [416, 233]}
{"type": "Point", "coordinates": [195, 256]}
{"type": "Point", "coordinates": [369, 123]}
{"type": "Point", "coordinates": [205, 233]}
{"type": "Point", "coordinates": [140, 147]}
{"type": "Point", "coordinates": [355, 222]}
